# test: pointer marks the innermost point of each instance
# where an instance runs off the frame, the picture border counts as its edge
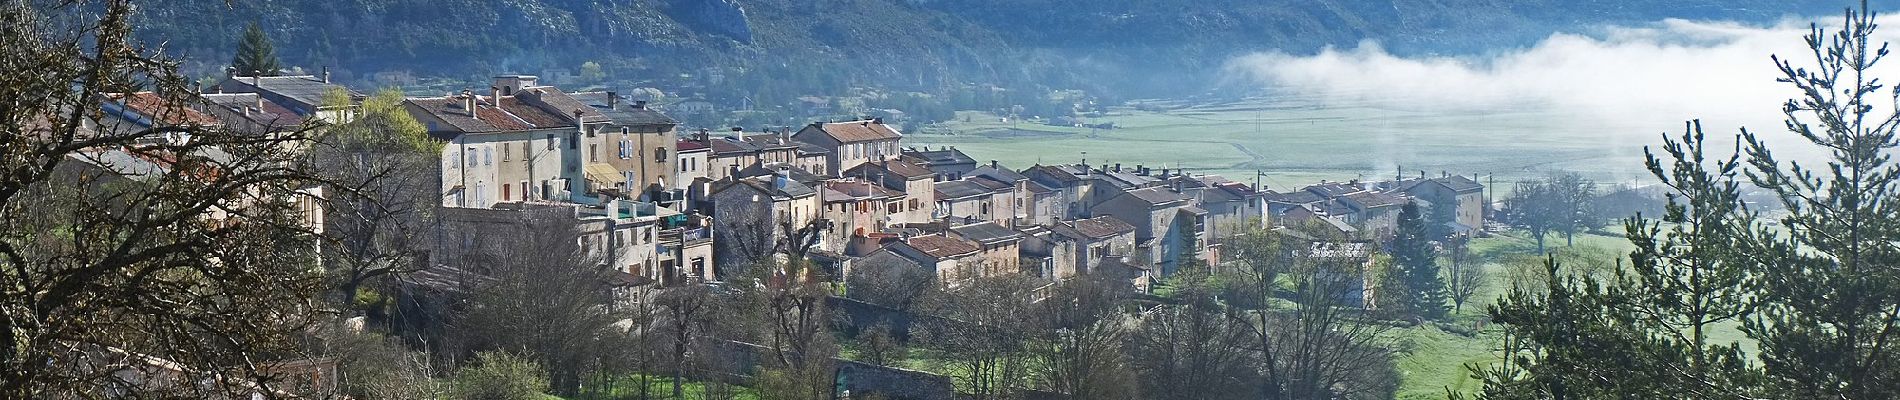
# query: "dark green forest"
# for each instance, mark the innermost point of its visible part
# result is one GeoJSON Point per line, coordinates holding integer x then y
{"type": "Point", "coordinates": [1110, 48]}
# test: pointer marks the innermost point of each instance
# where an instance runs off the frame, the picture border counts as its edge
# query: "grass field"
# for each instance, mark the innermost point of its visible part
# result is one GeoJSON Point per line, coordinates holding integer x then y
{"type": "Point", "coordinates": [1295, 144]}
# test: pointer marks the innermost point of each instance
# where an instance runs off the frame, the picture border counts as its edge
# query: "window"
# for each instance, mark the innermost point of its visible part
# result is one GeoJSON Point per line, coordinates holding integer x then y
{"type": "Point", "coordinates": [504, 153]}
{"type": "Point", "coordinates": [573, 141]}
{"type": "Point", "coordinates": [473, 158]}
{"type": "Point", "coordinates": [550, 141]}
{"type": "Point", "coordinates": [626, 149]}
{"type": "Point", "coordinates": [488, 156]}
{"type": "Point", "coordinates": [593, 152]}
{"type": "Point", "coordinates": [455, 159]}
{"type": "Point", "coordinates": [659, 154]}
{"type": "Point", "coordinates": [505, 192]}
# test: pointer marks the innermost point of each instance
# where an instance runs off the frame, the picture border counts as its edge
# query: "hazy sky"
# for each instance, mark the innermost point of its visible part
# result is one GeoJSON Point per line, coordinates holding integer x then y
{"type": "Point", "coordinates": [1655, 75]}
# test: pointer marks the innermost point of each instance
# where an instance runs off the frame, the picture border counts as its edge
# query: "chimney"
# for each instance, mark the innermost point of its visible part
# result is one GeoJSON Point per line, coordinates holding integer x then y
{"type": "Point", "coordinates": [260, 100]}
{"type": "Point", "coordinates": [996, 165]}
{"type": "Point", "coordinates": [703, 135]}
{"type": "Point", "coordinates": [1141, 170]}
{"type": "Point", "coordinates": [1118, 167]}
{"type": "Point", "coordinates": [738, 133]}
{"type": "Point", "coordinates": [468, 102]}
{"type": "Point", "coordinates": [1164, 172]}
{"type": "Point", "coordinates": [326, 74]}
{"type": "Point", "coordinates": [639, 104]}
{"type": "Point", "coordinates": [613, 100]}
{"type": "Point", "coordinates": [877, 120]}
{"type": "Point", "coordinates": [494, 94]}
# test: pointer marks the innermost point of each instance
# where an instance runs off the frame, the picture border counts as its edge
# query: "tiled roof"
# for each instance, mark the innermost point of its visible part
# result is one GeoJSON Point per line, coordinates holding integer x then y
{"type": "Point", "coordinates": [1334, 189]}
{"type": "Point", "coordinates": [1299, 197]}
{"type": "Point", "coordinates": [687, 146]}
{"type": "Point", "coordinates": [855, 131]}
{"type": "Point", "coordinates": [304, 89]}
{"type": "Point", "coordinates": [727, 145]}
{"type": "Point", "coordinates": [998, 173]}
{"type": "Point", "coordinates": [555, 101]}
{"type": "Point", "coordinates": [856, 189]}
{"type": "Point", "coordinates": [1158, 195]}
{"type": "Point", "coordinates": [273, 114]}
{"type": "Point", "coordinates": [960, 189]}
{"type": "Point", "coordinates": [1457, 183]}
{"type": "Point", "coordinates": [625, 114]}
{"type": "Point", "coordinates": [900, 168]}
{"type": "Point", "coordinates": [1101, 227]}
{"type": "Point", "coordinates": [162, 111]}
{"type": "Point", "coordinates": [773, 168]}
{"type": "Point", "coordinates": [536, 117]}
{"type": "Point", "coordinates": [512, 115]}
{"type": "Point", "coordinates": [1039, 188]}
{"type": "Point", "coordinates": [806, 149]}
{"type": "Point", "coordinates": [1055, 174]}
{"type": "Point", "coordinates": [770, 185]}
{"type": "Point", "coordinates": [942, 156]}
{"type": "Point", "coordinates": [987, 233]}
{"type": "Point", "coordinates": [1374, 199]}
{"type": "Point", "coordinates": [942, 246]}
{"type": "Point", "coordinates": [991, 183]}
{"type": "Point", "coordinates": [769, 141]}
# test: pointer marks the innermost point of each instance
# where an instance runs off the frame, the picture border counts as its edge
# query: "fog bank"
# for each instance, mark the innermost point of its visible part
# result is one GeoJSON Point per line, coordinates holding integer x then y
{"type": "Point", "coordinates": [1626, 79]}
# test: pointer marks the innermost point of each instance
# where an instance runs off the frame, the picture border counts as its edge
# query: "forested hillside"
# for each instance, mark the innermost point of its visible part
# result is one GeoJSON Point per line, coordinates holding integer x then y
{"type": "Point", "coordinates": [823, 45]}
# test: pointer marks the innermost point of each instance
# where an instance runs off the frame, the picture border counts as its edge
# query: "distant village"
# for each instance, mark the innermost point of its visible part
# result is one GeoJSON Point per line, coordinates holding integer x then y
{"type": "Point", "coordinates": [664, 206]}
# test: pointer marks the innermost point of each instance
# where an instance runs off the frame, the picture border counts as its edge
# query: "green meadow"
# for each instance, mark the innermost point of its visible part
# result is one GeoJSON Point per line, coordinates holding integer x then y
{"type": "Point", "coordinates": [1292, 142]}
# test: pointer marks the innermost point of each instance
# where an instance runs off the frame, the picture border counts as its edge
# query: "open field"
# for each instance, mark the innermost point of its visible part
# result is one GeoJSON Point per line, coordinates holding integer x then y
{"type": "Point", "coordinates": [1297, 144]}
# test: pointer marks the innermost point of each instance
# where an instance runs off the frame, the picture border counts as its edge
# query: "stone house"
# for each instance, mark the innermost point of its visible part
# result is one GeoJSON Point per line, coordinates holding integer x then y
{"type": "Point", "coordinates": [751, 215]}
{"type": "Point", "coordinates": [953, 259]}
{"type": "Point", "coordinates": [1097, 240]}
{"type": "Point", "coordinates": [1168, 227]}
{"type": "Point", "coordinates": [947, 162]}
{"type": "Point", "coordinates": [920, 194]}
{"type": "Point", "coordinates": [1001, 251]}
{"type": "Point", "coordinates": [853, 142]}
{"type": "Point", "coordinates": [521, 143]}
{"type": "Point", "coordinates": [1465, 194]}
{"type": "Point", "coordinates": [637, 143]}
{"type": "Point", "coordinates": [857, 209]}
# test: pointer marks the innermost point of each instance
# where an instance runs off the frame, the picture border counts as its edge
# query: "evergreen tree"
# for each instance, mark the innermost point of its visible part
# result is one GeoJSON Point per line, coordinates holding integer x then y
{"type": "Point", "coordinates": [254, 54]}
{"type": "Point", "coordinates": [1827, 283]}
{"type": "Point", "coordinates": [1414, 286]}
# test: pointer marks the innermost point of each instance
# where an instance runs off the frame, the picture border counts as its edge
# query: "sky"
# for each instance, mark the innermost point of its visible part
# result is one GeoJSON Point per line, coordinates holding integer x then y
{"type": "Point", "coordinates": [1653, 75]}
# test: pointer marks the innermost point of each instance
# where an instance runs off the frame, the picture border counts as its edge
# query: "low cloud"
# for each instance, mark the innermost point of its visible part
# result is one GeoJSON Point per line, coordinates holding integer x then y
{"type": "Point", "coordinates": [1650, 76]}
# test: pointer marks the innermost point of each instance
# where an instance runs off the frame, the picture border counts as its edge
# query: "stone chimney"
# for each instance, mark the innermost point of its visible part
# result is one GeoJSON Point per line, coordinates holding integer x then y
{"type": "Point", "coordinates": [1118, 167]}
{"type": "Point", "coordinates": [613, 100]}
{"type": "Point", "coordinates": [738, 133]}
{"type": "Point", "coordinates": [326, 74]}
{"type": "Point", "coordinates": [494, 94]}
{"type": "Point", "coordinates": [996, 165]}
{"type": "Point", "coordinates": [468, 102]}
{"type": "Point", "coordinates": [639, 104]}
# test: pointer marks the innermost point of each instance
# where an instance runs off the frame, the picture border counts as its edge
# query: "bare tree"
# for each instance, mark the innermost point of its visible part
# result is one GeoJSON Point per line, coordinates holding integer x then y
{"type": "Point", "coordinates": [1324, 346]}
{"type": "Point", "coordinates": [1080, 349]}
{"type": "Point", "coordinates": [383, 193]}
{"type": "Point", "coordinates": [1194, 350]}
{"type": "Point", "coordinates": [1465, 275]}
{"type": "Point", "coordinates": [127, 246]}
{"type": "Point", "coordinates": [689, 311]}
{"type": "Point", "coordinates": [898, 286]}
{"type": "Point", "coordinates": [547, 300]}
{"type": "Point", "coordinates": [786, 307]}
{"type": "Point", "coordinates": [989, 323]}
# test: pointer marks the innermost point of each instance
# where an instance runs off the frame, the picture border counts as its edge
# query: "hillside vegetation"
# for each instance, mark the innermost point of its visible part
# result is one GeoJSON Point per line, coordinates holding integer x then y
{"type": "Point", "coordinates": [824, 45]}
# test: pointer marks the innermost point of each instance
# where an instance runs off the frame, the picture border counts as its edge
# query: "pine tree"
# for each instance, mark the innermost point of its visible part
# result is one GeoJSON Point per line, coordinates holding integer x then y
{"type": "Point", "coordinates": [1827, 284]}
{"type": "Point", "coordinates": [1415, 267]}
{"type": "Point", "coordinates": [254, 54]}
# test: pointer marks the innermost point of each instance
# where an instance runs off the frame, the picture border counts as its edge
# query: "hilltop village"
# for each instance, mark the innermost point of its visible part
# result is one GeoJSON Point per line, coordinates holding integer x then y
{"type": "Point", "coordinates": [664, 206]}
{"type": "Point", "coordinates": [657, 207]}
